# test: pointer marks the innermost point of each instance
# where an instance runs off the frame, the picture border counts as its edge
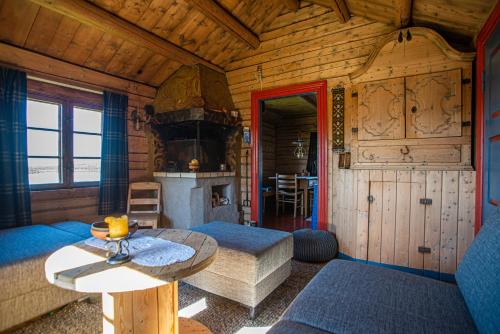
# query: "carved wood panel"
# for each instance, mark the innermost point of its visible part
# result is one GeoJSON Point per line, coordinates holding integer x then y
{"type": "Point", "coordinates": [434, 105]}
{"type": "Point", "coordinates": [381, 110]}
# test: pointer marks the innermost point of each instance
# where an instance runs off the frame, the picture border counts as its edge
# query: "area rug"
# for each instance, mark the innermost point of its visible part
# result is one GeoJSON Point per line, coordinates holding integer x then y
{"type": "Point", "coordinates": [222, 316]}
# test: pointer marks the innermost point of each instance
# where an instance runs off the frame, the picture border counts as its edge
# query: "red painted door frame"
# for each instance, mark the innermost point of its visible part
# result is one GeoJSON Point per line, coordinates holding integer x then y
{"type": "Point", "coordinates": [482, 38]}
{"type": "Point", "coordinates": [318, 87]}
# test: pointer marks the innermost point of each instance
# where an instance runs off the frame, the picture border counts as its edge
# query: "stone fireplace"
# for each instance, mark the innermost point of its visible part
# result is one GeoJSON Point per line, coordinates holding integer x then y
{"type": "Point", "coordinates": [194, 118]}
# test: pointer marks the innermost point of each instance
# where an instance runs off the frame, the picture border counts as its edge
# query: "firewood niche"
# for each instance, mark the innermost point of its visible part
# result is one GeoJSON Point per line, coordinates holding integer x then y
{"type": "Point", "coordinates": [194, 118]}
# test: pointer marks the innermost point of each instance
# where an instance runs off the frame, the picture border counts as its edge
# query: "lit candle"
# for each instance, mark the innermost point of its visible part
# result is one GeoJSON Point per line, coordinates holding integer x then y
{"type": "Point", "coordinates": [118, 227]}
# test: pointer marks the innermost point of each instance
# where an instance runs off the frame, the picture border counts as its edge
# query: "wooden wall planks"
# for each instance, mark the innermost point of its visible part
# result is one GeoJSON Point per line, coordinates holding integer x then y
{"type": "Point", "coordinates": [81, 203]}
{"type": "Point", "coordinates": [396, 223]}
{"type": "Point", "coordinates": [382, 231]}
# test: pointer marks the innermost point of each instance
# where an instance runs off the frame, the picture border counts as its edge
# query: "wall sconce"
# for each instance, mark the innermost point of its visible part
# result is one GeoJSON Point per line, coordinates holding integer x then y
{"type": "Point", "coordinates": [136, 119]}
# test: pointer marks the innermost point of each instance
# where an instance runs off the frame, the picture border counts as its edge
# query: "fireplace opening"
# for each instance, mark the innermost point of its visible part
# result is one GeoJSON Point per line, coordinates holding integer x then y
{"type": "Point", "coordinates": [220, 195]}
{"type": "Point", "coordinates": [200, 140]}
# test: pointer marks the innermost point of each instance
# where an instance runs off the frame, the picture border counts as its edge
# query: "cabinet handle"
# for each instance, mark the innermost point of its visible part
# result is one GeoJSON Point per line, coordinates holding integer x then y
{"type": "Point", "coordinates": [413, 109]}
{"type": "Point", "coordinates": [424, 250]}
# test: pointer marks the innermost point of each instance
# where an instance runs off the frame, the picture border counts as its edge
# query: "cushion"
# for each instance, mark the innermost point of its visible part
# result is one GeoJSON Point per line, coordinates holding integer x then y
{"type": "Point", "coordinates": [478, 276]}
{"type": "Point", "coordinates": [290, 327]}
{"type": "Point", "coordinates": [314, 246]}
{"type": "Point", "coordinates": [350, 297]}
{"type": "Point", "coordinates": [22, 243]}
{"type": "Point", "coordinates": [251, 240]}
{"type": "Point", "coordinates": [78, 228]}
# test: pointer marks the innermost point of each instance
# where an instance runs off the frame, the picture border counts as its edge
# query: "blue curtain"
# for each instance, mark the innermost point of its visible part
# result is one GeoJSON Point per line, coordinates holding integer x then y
{"type": "Point", "coordinates": [114, 155]}
{"type": "Point", "coordinates": [15, 203]}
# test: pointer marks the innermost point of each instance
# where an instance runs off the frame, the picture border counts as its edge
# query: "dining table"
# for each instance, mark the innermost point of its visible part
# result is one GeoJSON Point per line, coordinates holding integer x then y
{"type": "Point", "coordinates": [304, 183]}
{"type": "Point", "coordinates": [135, 298]}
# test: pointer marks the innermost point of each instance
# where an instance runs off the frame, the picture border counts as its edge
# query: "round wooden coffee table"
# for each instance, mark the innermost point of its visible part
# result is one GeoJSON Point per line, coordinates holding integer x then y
{"type": "Point", "coordinates": [135, 298]}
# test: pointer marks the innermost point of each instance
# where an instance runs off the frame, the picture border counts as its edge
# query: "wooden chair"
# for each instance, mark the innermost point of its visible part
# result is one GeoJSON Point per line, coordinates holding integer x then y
{"type": "Point", "coordinates": [144, 203]}
{"type": "Point", "coordinates": [288, 191]}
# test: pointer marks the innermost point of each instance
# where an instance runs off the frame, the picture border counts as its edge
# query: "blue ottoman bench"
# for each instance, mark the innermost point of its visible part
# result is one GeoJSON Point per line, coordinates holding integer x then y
{"type": "Point", "coordinates": [251, 262]}
{"type": "Point", "coordinates": [350, 297]}
{"type": "Point", "coordinates": [26, 294]}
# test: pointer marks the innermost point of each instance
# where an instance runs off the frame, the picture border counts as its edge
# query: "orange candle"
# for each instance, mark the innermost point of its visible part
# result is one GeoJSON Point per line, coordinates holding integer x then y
{"type": "Point", "coordinates": [118, 227]}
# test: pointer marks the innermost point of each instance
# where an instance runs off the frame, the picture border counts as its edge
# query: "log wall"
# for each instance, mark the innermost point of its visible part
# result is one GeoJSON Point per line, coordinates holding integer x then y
{"type": "Point", "coordinates": [286, 132]}
{"type": "Point", "coordinates": [81, 203]}
{"type": "Point", "coordinates": [309, 46]}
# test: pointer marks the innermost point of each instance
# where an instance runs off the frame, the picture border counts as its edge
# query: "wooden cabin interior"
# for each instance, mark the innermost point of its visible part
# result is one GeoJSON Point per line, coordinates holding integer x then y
{"type": "Point", "coordinates": [250, 166]}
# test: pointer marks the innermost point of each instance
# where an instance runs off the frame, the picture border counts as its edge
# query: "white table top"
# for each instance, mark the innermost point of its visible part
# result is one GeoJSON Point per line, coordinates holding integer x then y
{"type": "Point", "coordinates": [83, 268]}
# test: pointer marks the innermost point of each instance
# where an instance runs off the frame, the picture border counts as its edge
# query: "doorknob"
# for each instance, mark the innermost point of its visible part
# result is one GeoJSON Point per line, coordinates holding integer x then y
{"type": "Point", "coordinates": [413, 109]}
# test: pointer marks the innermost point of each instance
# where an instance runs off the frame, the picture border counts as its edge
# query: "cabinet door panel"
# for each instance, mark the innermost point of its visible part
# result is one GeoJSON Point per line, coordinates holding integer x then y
{"type": "Point", "coordinates": [434, 105]}
{"type": "Point", "coordinates": [423, 154]}
{"type": "Point", "coordinates": [381, 110]}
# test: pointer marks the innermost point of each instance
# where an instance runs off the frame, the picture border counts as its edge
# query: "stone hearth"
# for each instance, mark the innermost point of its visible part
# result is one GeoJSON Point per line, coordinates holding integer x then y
{"type": "Point", "coordinates": [187, 198]}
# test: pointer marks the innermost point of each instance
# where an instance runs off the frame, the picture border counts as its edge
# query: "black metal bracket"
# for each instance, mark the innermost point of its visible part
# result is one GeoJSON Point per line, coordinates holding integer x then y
{"type": "Point", "coordinates": [426, 201]}
{"type": "Point", "coordinates": [354, 130]}
{"type": "Point", "coordinates": [422, 249]}
{"type": "Point", "coordinates": [354, 94]}
{"type": "Point", "coordinates": [466, 123]}
{"type": "Point", "coordinates": [466, 81]}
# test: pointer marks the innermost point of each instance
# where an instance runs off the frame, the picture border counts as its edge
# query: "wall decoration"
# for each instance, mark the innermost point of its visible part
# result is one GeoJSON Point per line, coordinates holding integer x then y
{"type": "Point", "coordinates": [338, 119]}
{"type": "Point", "coordinates": [247, 139]}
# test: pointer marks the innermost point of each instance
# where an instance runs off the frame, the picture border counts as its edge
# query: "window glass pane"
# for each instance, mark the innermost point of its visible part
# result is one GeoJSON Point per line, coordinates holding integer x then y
{"type": "Point", "coordinates": [87, 170]}
{"type": "Point", "coordinates": [86, 120]}
{"type": "Point", "coordinates": [86, 145]}
{"type": "Point", "coordinates": [44, 143]}
{"type": "Point", "coordinates": [43, 115]}
{"type": "Point", "coordinates": [43, 170]}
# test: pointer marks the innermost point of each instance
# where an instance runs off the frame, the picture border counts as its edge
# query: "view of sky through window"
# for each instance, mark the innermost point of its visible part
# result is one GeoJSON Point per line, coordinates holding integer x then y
{"type": "Point", "coordinates": [45, 138]}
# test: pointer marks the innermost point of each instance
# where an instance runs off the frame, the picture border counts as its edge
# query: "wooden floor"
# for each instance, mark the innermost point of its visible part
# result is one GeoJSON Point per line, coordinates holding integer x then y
{"type": "Point", "coordinates": [284, 222]}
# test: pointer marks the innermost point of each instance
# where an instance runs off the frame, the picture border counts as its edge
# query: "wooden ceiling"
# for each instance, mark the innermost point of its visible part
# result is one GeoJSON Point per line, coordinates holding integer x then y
{"type": "Point", "coordinates": [147, 40]}
{"type": "Point", "coordinates": [292, 106]}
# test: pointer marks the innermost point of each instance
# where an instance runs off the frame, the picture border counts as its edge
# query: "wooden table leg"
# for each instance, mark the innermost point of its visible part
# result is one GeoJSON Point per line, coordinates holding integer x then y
{"type": "Point", "coordinates": [146, 311]}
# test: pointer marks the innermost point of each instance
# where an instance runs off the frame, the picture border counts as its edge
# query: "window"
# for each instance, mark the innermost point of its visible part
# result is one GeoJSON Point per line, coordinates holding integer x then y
{"type": "Point", "coordinates": [44, 142]}
{"type": "Point", "coordinates": [64, 137]}
{"type": "Point", "coordinates": [86, 145]}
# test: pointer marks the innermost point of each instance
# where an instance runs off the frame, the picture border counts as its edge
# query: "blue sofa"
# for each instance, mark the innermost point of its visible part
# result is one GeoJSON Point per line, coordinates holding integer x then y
{"type": "Point", "coordinates": [26, 294]}
{"type": "Point", "coordinates": [349, 297]}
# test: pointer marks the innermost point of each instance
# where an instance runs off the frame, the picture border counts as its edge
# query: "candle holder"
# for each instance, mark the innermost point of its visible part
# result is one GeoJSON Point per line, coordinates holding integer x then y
{"type": "Point", "coordinates": [121, 253]}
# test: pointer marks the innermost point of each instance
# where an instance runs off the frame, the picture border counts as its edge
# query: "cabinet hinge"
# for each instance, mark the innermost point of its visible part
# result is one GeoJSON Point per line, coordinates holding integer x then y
{"type": "Point", "coordinates": [466, 81]}
{"type": "Point", "coordinates": [354, 130]}
{"type": "Point", "coordinates": [354, 94]}
{"type": "Point", "coordinates": [466, 124]}
{"type": "Point", "coordinates": [422, 249]}
{"type": "Point", "coordinates": [426, 201]}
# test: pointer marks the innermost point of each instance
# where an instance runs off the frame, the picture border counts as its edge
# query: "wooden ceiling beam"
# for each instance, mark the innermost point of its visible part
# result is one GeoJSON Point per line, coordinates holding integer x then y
{"type": "Point", "coordinates": [228, 22]}
{"type": "Point", "coordinates": [89, 14]}
{"type": "Point", "coordinates": [403, 13]}
{"type": "Point", "coordinates": [61, 71]}
{"type": "Point", "coordinates": [292, 5]}
{"type": "Point", "coordinates": [339, 7]}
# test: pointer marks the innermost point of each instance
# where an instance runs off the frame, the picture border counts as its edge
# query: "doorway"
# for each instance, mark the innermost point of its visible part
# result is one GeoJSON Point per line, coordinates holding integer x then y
{"type": "Point", "coordinates": [314, 92]}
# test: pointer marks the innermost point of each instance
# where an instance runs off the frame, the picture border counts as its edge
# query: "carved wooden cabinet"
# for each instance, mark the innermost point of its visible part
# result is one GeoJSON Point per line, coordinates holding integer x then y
{"type": "Point", "coordinates": [381, 110]}
{"type": "Point", "coordinates": [434, 105]}
{"type": "Point", "coordinates": [413, 121]}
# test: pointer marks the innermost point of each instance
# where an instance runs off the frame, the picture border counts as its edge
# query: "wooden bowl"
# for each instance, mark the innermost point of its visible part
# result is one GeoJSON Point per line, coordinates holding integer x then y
{"type": "Point", "coordinates": [101, 229]}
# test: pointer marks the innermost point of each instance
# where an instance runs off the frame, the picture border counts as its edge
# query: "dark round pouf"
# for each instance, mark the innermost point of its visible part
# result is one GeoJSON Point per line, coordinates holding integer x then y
{"type": "Point", "coordinates": [314, 246]}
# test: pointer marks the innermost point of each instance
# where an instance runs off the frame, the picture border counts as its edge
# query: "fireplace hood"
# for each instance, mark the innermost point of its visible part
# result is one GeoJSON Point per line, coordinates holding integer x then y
{"type": "Point", "coordinates": [195, 93]}
{"type": "Point", "coordinates": [194, 118]}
